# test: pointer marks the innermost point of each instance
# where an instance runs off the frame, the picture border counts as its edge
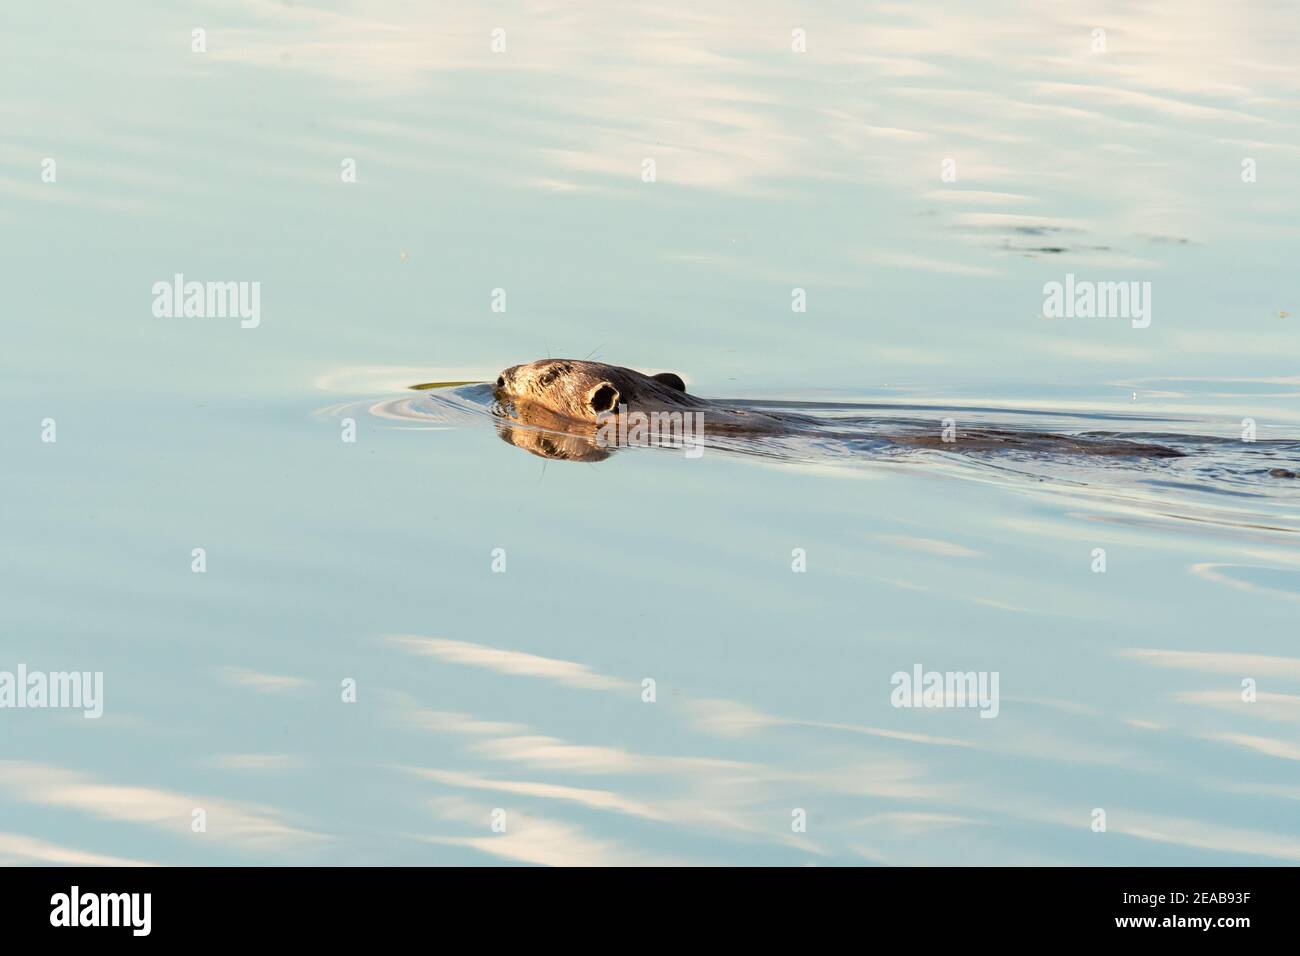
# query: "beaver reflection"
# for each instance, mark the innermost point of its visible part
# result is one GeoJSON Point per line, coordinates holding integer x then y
{"type": "Point", "coordinates": [539, 431]}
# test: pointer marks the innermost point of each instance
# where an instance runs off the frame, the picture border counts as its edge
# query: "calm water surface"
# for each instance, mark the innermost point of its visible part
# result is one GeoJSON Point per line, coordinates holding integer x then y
{"type": "Point", "coordinates": [373, 561]}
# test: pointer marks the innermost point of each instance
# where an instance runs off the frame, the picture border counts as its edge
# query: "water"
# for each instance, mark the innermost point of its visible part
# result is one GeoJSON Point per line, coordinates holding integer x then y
{"type": "Point", "coordinates": [372, 561]}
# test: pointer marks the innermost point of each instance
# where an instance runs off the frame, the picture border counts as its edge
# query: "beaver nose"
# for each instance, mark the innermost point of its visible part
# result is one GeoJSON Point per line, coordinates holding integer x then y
{"type": "Point", "coordinates": [507, 377]}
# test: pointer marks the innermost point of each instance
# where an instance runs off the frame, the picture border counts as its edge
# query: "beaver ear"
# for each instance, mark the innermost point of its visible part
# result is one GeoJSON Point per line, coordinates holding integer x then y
{"type": "Point", "coordinates": [603, 398]}
{"type": "Point", "coordinates": [671, 379]}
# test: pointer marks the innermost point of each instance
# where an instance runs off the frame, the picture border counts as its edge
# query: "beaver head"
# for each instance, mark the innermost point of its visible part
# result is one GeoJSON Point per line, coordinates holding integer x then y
{"type": "Point", "coordinates": [581, 390]}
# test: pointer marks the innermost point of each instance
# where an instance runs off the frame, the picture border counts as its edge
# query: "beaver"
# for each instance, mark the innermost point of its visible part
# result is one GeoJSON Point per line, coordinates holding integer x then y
{"type": "Point", "coordinates": [588, 392]}
{"type": "Point", "coordinates": [579, 399]}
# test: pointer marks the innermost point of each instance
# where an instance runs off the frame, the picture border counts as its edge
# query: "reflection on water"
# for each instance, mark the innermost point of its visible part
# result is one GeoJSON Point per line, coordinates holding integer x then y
{"type": "Point", "coordinates": [402, 626]}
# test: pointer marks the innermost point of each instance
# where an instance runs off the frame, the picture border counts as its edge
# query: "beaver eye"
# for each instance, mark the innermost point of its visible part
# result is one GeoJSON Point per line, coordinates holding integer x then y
{"type": "Point", "coordinates": [501, 381]}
